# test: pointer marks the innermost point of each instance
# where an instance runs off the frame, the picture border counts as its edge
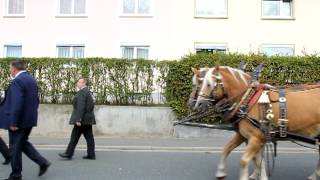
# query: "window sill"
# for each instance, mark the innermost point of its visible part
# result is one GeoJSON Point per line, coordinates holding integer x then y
{"type": "Point", "coordinates": [71, 16]}
{"type": "Point", "coordinates": [14, 16]}
{"type": "Point", "coordinates": [278, 18]}
{"type": "Point", "coordinates": [211, 17]}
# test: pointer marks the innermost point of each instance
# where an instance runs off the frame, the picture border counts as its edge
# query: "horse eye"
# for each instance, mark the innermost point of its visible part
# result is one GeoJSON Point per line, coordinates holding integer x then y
{"type": "Point", "coordinates": [208, 85]}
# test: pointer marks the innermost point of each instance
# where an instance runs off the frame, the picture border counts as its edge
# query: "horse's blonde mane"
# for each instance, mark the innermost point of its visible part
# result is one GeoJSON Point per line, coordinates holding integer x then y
{"type": "Point", "coordinates": [234, 73]}
{"type": "Point", "coordinates": [239, 75]}
{"type": "Point", "coordinates": [194, 78]}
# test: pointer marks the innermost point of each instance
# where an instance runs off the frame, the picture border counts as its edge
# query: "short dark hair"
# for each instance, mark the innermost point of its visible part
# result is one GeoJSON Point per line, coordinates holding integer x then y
{"type": "Point", "coordinates": [19, 64]}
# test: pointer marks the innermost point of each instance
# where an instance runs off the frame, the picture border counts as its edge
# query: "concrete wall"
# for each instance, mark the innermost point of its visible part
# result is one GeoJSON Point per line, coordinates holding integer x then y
{"type": "Point", "coordinates": [127, 121]}
{"type": "Point", "coordinates": [121, 121]}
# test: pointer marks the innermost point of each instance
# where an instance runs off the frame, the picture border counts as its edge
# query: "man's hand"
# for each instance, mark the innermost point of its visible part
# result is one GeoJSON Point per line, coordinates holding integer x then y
{"type": "Point", "coordinates": [13, 128]}
{"type": "Point", "coordinates": [78, 123]}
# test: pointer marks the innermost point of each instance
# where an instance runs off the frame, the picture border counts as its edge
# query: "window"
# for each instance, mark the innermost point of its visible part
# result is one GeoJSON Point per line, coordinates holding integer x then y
{"type": "Point", "coordinates": [13, 51]}
{"type": "Point", "coordinates": [14, 7]}
{"type": "Point", "coordinates": [72, 7]}
{"type": "Point", "coordinates": [136, 7]}
{"type": "Point", "coordinates": [210, 48]}
{"type": "Point", "coordinates": [211, 8]}
{"type": "Point", "coordinates": [277, 8]}
{"type": "Point", "coordinates": [67, 51]}
{"type": "Point", "coordinates": [135, 52]}
{"type": "Point", "coordinates": [280, 50]}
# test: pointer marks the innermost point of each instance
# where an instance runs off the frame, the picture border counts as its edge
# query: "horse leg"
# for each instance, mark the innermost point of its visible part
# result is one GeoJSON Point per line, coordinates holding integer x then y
{"type": "Point", "coordinates": [254, 146]}
{"type": "Point", "coordinates": [236, 140]}
{"type": "Point", "coordinates": [316, 173]}
{"type": "Point", "coordinates": [260, 168]}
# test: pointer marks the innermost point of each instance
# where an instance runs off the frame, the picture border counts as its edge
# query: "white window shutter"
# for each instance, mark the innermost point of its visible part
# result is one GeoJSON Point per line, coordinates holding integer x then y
{"type": "Point", "coordinates": [79, 6]}
{"type": "Point", "coordinates": [65, 6]}
{"type": "Point", "coordinates": [129, 6]}
{"type": "Point", "coordinates": [13, 51]}
{"type": "Point", "coordinates": [144, 6]}
{"type": "Point", "coordinates": [15, 6]}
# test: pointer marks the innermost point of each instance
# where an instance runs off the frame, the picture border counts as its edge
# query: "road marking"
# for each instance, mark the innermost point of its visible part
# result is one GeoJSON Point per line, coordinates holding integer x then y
{"type": "Point", "coordinates": [213, 150]}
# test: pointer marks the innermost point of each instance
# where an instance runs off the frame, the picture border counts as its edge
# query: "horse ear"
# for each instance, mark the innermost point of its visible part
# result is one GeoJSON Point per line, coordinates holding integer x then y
{"type": "Point", "coordinates": [195, 71]}
{"type": "Point", "coordinates": [217, 68]}
{"type": "Point", "coordinates": [243, 65]}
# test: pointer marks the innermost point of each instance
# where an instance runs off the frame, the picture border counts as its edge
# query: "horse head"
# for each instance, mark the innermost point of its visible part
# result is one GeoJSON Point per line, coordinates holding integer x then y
{"type": "Point", "coordinates": [197, 80]}
{"type": "Point", "coordinates": [219, 83]}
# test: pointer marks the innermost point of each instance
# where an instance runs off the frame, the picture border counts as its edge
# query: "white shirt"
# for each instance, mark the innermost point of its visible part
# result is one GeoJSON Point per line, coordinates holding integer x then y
{"type": "Point", "coordinates": [19, 74]}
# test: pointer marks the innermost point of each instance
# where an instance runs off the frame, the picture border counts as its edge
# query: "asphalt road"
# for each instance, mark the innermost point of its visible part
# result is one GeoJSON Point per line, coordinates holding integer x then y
{"type": "Point", "coordinates": [159, 165]}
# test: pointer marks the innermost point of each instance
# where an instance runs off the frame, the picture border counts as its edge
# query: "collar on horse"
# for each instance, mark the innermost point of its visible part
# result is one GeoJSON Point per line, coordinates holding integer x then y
{"type": "Point", "coordinates": [248, 98]}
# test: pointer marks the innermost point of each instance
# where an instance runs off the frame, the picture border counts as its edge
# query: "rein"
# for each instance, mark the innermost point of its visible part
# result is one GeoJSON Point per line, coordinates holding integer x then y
{"type": "Point", "coordinates": [196, 116]}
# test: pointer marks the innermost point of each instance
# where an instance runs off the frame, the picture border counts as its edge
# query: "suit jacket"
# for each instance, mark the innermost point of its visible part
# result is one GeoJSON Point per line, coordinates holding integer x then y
{"type": "Point", "coordinates": [20, 105]}
{"type": "Point", "coordinates": [83, 107]}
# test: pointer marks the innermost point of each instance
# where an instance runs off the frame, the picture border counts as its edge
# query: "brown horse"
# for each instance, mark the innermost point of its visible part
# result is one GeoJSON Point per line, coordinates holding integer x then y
{"type": "Point", "coordinates": [237, 139]}
{"type": "Point", "coordinates": [303, 113]}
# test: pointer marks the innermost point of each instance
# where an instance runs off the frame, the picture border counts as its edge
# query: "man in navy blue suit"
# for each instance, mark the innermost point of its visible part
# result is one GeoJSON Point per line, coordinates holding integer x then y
{"type": "Point", "coordinates": [19, 114]}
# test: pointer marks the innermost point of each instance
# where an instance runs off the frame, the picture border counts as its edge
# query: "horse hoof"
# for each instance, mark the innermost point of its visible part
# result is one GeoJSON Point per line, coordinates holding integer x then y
{"type": "Point", "coordinates": [221, 178]}
{"type": "Point", "coordinates": [313, 177]}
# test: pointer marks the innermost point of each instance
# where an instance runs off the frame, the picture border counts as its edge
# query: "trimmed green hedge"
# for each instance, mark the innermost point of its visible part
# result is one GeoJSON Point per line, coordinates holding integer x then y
{"type": "Point", "coordinates": [113, 81]}
{"type": "Point", "coordinates": [278, 71]}
{"type": "Point", "coordinates": [132, 82]}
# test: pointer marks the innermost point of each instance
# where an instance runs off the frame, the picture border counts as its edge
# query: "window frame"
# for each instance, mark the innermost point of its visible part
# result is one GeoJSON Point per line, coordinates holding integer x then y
{"type": "Point", "coordinates": [135, 50]}
{"type": "Point", "coordinates": [211, 16]}
{"type": "Point", "coordinates": [8, 15]}
{"type": "Point", "coordinates": [136, 14]}
{"type": "Point", "coordinates": [210, 44]}
{"type": "Point", "coordinates": [5, 46]}
{"type": "Point", "coordinates": [71, 46]}
{"type": "Point", "coordinates": [280, 17]}
{"type": "Point", "coordinates": [72, 14]}
{"type": "Point", "coordinates": [292, 46]}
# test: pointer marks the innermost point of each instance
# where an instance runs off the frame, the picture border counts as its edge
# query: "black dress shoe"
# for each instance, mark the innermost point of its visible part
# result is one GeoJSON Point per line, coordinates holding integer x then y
{"type": "Point", "coordinates": [65, 156]}
{"type": "Point", "coordinates": [44, 168]}
{"type": "Point", "coordinates": [89, 157]}
{"type": "Point", "coordinates": [6, 162]}
{"type": "Point", "coordinates": [14, 178]}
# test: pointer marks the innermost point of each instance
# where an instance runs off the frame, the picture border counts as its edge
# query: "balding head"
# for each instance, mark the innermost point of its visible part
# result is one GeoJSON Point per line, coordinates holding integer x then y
{"type": "Point", "coordinates": [17, 66]}
{"type": "Point", "coordinates": [82, 83]}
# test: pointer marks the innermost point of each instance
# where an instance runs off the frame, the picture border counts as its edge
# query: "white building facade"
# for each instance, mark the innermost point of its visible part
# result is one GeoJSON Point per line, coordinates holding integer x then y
{"type": "Point", "coordinates": [157, 29]}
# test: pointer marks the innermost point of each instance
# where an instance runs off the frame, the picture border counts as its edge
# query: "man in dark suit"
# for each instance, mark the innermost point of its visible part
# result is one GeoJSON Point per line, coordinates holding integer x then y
{"type": "Point", "coordinates": [82, 118]}
{"type": "Point", "coordinates": [5, 152]}
{"type": "Point", "coordinates": [19, 114]}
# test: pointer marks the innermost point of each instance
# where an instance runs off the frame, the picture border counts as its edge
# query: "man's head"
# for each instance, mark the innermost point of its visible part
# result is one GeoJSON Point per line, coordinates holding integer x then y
{"type": "Point", "coordinates": [16, 67]}
{"type": "Point", "coordinates": [82, 83]}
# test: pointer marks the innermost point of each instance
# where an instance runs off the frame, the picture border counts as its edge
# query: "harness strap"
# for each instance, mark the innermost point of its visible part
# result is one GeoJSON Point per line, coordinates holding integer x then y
{"type": "Point", "coordinates": [283, 116]}
{"type": "Point", "coordinates": [283, 104]}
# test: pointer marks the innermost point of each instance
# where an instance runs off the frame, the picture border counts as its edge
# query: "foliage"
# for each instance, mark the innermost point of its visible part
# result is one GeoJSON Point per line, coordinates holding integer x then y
{"type": "Point", "coordinates": [278, 71]}
{"type": "Point", "coordinates": [134, 82]}
{"type": "Point", "coordinates": [112, 81]}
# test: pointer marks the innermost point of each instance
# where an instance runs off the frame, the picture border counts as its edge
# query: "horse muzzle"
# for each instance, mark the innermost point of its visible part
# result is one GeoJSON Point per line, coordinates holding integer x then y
{"type": "Point", "coordinates": [192, 103]}
{"type": "Point", "coordinates": [202, 105]}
